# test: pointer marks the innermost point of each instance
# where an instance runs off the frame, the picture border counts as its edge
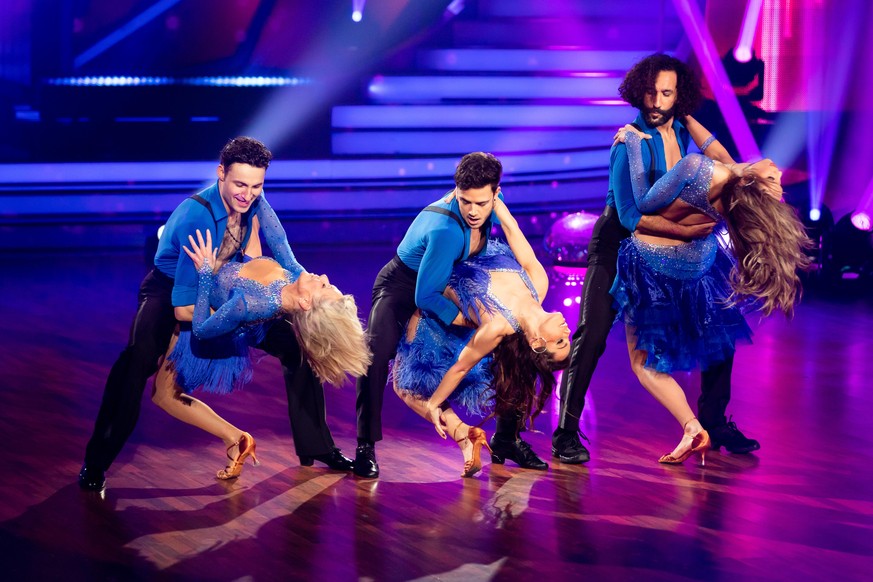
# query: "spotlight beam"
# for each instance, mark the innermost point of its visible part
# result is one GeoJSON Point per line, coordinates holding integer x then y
{"type": "Point", "coordinates": [126, 30]}
{"type": "Point", "coordinates": [713, 69]}
{"type": "Point", "coordinates": [743, 50]}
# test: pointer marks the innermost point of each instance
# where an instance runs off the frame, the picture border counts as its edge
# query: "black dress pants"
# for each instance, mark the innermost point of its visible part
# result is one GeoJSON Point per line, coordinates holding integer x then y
{"type": "Point", "coordinates": [149, 338]}
{"type": "Point", "coordinates": [393, 305]}
{"type": "Point", "coordinates": [596, 317]}
{"type": "Point", "coordinates": [306, 408]}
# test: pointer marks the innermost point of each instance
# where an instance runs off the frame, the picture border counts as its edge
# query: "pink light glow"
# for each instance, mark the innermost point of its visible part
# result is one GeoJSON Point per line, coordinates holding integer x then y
{"type": "Point", "coordinates": [770, 53]}
{"type": "Point", "coordinates": [861, 221]}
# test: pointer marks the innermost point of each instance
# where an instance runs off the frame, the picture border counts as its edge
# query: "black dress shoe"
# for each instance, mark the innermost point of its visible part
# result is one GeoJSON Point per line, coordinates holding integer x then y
{"type": "Point", "coordinates": [335, 459]}
{"type": "Point", "coordinates": [730, 437]}
{"type": "Point", "coordinates": [518, 451]}
{"type": "Point", "coordinates": [568, 449]}
{"type": "Point", "coordinates": [365, 462]}
{"type": "Point", "coordinates": [91, 479]}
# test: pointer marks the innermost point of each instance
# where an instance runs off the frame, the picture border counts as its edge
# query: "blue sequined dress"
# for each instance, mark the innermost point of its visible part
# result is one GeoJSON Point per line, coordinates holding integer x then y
{"type": "Point", "coordinates": [422, 362]}
{"type": "Point", "coordinates": [216, 356]}
{"type": "Point", "coordinates": [677, 296]}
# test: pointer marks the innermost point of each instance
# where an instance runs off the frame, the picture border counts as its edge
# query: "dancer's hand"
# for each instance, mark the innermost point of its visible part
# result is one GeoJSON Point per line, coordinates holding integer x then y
{"type": "Point", "coordinates": [620, 135]}
{"type": "Point", "coordinates": [696, 231]}
{"type": "Point", "coordinates": [203, 255]}
{"type": "Point", "coordinates": [434, 414]}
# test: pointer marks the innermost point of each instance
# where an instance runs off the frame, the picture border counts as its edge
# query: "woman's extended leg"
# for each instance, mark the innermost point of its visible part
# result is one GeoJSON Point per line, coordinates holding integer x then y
{"type": "Point", "coordinates": [668, 392]}
{"type": "Point", "coordinates": [169, 396]}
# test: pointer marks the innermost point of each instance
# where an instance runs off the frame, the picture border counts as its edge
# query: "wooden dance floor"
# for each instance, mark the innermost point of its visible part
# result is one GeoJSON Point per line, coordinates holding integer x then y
{"type": "Point", "coordinates": [801, 508]}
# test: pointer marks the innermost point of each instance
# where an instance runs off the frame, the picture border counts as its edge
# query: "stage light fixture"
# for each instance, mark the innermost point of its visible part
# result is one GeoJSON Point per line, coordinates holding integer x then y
{"type": "Point", "coordinates": [358, 10]}
{"type": "Point", "coordinates": [852, 255]}
{"type": "Point", "coordinates": [743, 50]}
{"type": "Point", "coordinates": [861, 221]}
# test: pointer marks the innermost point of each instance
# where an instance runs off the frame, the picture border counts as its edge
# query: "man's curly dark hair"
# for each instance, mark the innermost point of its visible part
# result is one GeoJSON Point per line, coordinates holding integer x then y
{"type": "Point", "coordinates": [641, 78]}
{"type": "Point", "coordinates": [245, 150]}
{"type": "Point", "coordinates": [477, 170]}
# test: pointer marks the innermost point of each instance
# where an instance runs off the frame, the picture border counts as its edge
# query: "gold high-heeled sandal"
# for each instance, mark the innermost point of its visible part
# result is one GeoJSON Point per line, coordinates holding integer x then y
{"type": "Point", "coordinates": [477, 438]}
{"type": "Point", "coordinates": [700, 443]}
{"type": "Point", "coordinates": [245, 448]}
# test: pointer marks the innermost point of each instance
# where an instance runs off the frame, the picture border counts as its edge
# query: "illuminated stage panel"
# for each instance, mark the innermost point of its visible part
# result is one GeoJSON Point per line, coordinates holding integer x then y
{"type": "Point", "coordinates": [482, 116]}
{"type": "Point", "coordinates": [435, 89]}
{"type": "Point", "coordinates": [462, 142]}
{"type": "Point", "coordinates": [528, 60]}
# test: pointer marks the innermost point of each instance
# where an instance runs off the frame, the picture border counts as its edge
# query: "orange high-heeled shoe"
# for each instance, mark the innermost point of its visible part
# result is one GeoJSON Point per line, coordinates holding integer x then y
{"type": "Point", "coordinates": [478, 439]}
{"type": "Point", "coordinates": [245, 448]}
{"type": "Point", "coordinates": [699, 444]}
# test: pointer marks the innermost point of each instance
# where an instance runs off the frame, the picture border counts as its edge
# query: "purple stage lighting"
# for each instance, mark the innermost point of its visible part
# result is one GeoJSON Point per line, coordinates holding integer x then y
{"type": "Point", "coordinates": [861, 221]}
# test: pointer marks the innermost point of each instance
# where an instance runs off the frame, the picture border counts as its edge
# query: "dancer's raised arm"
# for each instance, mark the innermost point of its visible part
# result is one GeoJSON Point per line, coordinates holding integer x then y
{"type": "Point", "coordinates": [521, 248]}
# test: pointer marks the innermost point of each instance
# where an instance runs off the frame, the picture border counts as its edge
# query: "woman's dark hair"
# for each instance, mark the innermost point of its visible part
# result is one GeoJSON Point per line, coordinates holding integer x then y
{"type": "Point", "coordinates": [478, 170]}
{"type": "Point", "coordinates": [245, 150]}
{"type": "Point", "coordinates": [640, 79]}
{"type": "Point", "coordinates": [517, 371]}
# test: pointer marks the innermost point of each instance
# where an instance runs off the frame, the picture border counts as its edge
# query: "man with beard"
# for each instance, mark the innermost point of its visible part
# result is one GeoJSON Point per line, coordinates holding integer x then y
{"type": "Point", "coordinates": [664, 90]}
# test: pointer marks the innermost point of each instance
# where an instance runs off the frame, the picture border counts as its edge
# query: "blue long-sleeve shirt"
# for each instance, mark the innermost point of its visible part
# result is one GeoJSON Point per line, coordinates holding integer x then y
{"type": "Point", "coordinates": [189, 216]}
{"type": "Point", "coordinates": [621, 196]}
{"type": "Point", "coordinates": [431, 246]}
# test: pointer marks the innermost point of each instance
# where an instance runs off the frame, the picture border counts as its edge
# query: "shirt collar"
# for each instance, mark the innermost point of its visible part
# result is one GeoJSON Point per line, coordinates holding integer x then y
{"type": "Point", "coordinates": [214, 197]}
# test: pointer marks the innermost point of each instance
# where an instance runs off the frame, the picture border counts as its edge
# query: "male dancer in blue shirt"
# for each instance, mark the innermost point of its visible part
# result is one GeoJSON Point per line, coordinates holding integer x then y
{"type": "Point", "coordinates": [449, 230]}
{"type": "Point", "coordinates": [664, 90]}
{"type": "Point", "coordinates": [167, 296]}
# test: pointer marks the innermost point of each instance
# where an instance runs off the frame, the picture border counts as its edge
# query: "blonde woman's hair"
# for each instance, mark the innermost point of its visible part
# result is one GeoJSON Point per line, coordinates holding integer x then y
{"type": "Point", "coordinates": [769, 241]}
{"type": "Point", "coordinates": [333, 339]}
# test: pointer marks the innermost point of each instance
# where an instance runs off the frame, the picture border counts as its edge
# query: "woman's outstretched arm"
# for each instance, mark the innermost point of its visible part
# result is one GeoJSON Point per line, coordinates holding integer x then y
{"type": "Point", "coordinates": [482, 343]}
{"type": "Point", "coordinates": [668, 187]}
{"type": "Point", "coordinates": [522, 250]}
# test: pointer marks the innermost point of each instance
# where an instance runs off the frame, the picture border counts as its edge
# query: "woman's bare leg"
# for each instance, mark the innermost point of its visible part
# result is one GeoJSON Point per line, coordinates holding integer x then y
{"type": "Point", "coordinates": [169, 396]}
{"type": "Point", "coordinates": [666, 391]}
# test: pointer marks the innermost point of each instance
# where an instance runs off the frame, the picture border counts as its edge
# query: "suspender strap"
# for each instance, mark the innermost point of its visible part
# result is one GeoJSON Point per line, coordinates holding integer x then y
{"type": "Point", "coordinates": [454, 216]}
{"type": "Point", "coordinates": [203, 201]}
{"type": "Point", "coordinates": [652, 152]}
{"type": "Point", "coordinates": [243, 228]}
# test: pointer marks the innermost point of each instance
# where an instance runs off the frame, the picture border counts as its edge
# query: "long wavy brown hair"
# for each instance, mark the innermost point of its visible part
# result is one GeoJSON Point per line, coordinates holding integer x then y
{"type": "Point", "coordinates": [769, 241]}
{"type": "Point", "coordinates": [517, 371]}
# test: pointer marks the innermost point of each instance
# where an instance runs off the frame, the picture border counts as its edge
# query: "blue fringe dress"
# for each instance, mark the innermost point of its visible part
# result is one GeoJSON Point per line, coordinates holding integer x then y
{"type": "Point", "coordinates": [422, 362]}
{"type": "Point", "coordinates": [217, 355]}
{"type": "Point", "coordinates": [677, 297]}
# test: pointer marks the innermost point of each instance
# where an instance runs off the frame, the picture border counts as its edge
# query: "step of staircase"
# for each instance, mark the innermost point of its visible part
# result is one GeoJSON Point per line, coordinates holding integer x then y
{"type": "Point", "coordinates": [458, 143]}
{"type": "Point", "coordinates": [484, 89]}
{"type": "Point", "coordinates": [564, 62]}
{"type": "Point", "coordinates": [480, 116]}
